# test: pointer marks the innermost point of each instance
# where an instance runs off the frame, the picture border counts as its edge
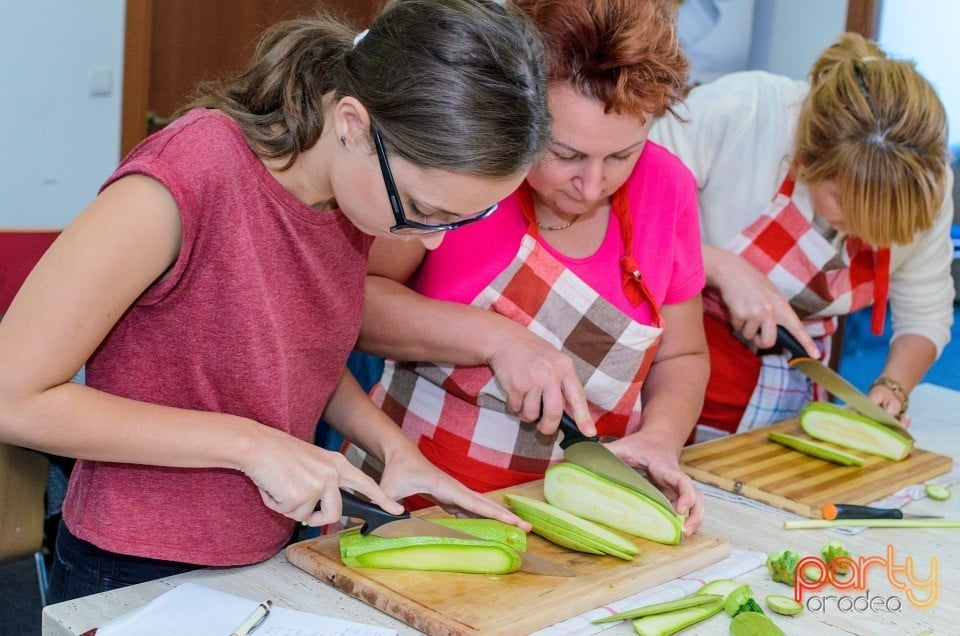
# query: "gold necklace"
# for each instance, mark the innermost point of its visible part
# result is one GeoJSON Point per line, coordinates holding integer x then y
{"type": "Point", "coordinates": [554, 228]}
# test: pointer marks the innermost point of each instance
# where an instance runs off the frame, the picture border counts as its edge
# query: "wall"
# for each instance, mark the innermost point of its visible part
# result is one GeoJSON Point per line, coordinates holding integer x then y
{"type": "Point", "coordinates": [929, 34]}
{"type": "Point", "coordinates": [788, 35]}
{"type": "Point", "coordinates": [58, 141]}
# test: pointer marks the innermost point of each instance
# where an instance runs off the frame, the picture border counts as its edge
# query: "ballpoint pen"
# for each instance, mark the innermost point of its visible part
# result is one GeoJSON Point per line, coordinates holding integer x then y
{"type": "Point", "coordinates": [254, 620]}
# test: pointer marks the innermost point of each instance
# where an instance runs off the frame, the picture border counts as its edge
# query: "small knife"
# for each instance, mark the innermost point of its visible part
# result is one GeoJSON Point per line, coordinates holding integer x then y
{"type": "Point", "coordinates": [592, 455]}
{"type": "Point", "coordinates": [834, 383]}
{"type": "Point", "coordinates": [850, 511]}
{"type": "Point", "coordinates": [381, 523]}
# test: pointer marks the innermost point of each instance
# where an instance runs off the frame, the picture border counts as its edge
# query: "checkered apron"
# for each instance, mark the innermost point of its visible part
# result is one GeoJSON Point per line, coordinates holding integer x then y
{"type": "Point", "coordinates": [823, 274]}
{"type": "Point", "coordinates": [457, 415]}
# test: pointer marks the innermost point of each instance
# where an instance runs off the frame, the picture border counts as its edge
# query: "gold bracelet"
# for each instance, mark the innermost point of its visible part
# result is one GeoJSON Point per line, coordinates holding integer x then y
{"type": "Point", "coordinates": [896, 388]}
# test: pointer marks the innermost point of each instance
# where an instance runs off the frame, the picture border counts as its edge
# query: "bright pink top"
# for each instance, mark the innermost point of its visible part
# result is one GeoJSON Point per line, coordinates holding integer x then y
{"type": "Point", "coordinates": [666, 236]}
{"type": "Point", "coordinates": [256, 319]}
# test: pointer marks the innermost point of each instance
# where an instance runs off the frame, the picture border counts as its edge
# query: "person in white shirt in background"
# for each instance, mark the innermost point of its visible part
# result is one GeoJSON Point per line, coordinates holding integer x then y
{"type": "Point", "coordinates": [817, 199]}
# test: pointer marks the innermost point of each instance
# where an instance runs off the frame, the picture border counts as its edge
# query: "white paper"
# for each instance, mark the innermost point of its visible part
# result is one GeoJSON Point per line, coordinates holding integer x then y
{"type": "Point", "coordinates": [196, 610]}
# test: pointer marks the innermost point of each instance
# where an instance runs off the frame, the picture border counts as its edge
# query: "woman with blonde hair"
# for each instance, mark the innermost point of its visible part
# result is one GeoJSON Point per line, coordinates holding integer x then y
{"type": "Point", "coordinates": [817, 200]}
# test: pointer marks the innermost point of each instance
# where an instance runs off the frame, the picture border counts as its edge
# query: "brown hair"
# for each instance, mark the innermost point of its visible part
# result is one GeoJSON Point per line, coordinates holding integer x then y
{"type": "Point", "coordinates": [624, 53]}
{"type": "Point", "coordinates": [451, 84]}
{"type": "Point", "coordinates": [875, 126]}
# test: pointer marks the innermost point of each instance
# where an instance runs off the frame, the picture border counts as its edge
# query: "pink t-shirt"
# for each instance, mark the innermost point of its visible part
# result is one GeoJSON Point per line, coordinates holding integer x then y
{"type": "Point", "coordinates": [666, 244]}
{"type": "Point", "coordinates": [256, 319]}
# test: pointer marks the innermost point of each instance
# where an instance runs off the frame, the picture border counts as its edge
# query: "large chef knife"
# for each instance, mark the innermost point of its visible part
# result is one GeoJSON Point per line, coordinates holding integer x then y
{"type": "Point", "coordinates": [592, 455]}
{"type": "Point", "coordinates": [834, 383]}
{"type": "Point", "coordinates": [378, 521]}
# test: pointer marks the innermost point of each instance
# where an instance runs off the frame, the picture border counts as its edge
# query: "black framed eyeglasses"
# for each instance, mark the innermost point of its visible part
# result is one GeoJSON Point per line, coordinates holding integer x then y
{"type": "Point", "coordinates": [405, 225]}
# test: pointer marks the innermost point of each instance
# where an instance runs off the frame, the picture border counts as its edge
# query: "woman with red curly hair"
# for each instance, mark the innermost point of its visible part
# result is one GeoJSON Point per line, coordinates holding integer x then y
{"type": "Point", "coordinates": [586, 293]}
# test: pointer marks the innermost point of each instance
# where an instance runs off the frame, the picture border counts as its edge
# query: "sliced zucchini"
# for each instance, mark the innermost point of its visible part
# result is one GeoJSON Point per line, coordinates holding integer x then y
{"type": "Point", "coordinates": [783, 605]}
{"type": "Point", "coordinates": [837, 425]}
{"type": "Point", "coordinates": [721, 587]}
{"type": "Point", "coordinates": [661, 608]}
{"type": "Point", "coordinates": [753, 624]}
{"type": "Point", "coordinates": [736, 598]}
{"type": "Point", "coordinates": [570, 531]}
{"type": "Point", "coordinates": [940, 493]}
{"type": "Point", "coordinates": [590, 496]}
{"type": "Point", "coordinates": [489, 529]}
{"type": "Point", "coordinates": [815, 449]}
{"type": "Point", "coordinates": [439, 554]}
{"type": "Point", "coordinates": [672, 622]}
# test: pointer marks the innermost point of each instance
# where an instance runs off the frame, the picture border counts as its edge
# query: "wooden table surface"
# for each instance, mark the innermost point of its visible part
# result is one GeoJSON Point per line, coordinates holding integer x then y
{"type": "Point", "coordinates": [936, 426]}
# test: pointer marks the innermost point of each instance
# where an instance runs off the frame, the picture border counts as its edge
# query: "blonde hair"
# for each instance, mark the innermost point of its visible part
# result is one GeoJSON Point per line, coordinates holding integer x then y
{"type": "Point", "coordinates": [876, 127]}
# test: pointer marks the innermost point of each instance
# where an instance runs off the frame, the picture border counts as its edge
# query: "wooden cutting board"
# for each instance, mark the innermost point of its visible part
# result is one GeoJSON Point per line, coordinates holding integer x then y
{"type": "Point", "coordinates": [749, 464]}
{"type": "Point", "coordinates": [448, 603]}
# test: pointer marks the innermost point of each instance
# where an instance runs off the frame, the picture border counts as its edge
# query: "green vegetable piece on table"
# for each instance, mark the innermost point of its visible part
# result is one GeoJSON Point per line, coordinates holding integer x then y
{"type": "Point", "coordinates": [940, 493]}
{"type": "Point", "coordinates": [753, 624]}
{"type": "Point", "coordinates": [783, 605]}
{"type": "Point", "coordinates": [590, 496]}
{"type": "Point", "coordinates": [832, 550]}
{"type": "Point", "coordinates": [843, 427]}
{"type": "Point", "coordinates": [438, 554]}
{"type": "Point", "coordinates": [783, 565]}
{"type": "Point", "coordinates": [570, 531]}
{"type": "Point", "coordinates": [737, 598]}
{"type": "Point", "coordinates": [750, 605]}
{"type": "Point", "coordinates": [662, 608]}
{"type": "Point", "coordinates": [672, 622]}
{"type": "Point", "coordinates": [814, 449]}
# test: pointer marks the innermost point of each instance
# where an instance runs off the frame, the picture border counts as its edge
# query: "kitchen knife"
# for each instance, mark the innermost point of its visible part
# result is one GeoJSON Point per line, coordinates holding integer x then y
{"type": "Point", "coordinates": [834, 384]}
{"type": "Point", "coordinates": [379, 522]}
{"type": "Point", "coordinates": [592, 455]}
{"type": "Point", "coordinates": [851, 511]}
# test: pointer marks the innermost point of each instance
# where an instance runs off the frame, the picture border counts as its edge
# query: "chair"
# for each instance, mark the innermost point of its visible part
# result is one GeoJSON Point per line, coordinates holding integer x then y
{"type": "Point", "coordinates": [23, 484]}
{"type": "Point", "coordinates": [23, 472]}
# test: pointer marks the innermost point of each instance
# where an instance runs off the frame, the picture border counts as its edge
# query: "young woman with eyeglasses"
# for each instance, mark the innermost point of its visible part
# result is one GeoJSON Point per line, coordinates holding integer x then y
{"type": "Point", "coordinates": [582, 292]}
{"type": "Point", "coordinates": [214, 288]}
{"type": "Point", "coordinates": [818, 199]}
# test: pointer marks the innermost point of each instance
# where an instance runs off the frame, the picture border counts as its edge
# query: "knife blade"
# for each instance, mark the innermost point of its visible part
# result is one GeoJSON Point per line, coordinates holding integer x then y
{"type": "Point", "coordinates": [851, 511]}
{"type": "Point", "coordinates": [834, 383]}
{"type": "Point", "coordinates": [381, 523]}
{"type": "Point", "coordinates": [592, 455]}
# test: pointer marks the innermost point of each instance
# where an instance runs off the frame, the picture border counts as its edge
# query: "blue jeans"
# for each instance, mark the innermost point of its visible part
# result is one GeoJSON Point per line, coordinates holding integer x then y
{"type": "Point", "coordinates": [81, 568]}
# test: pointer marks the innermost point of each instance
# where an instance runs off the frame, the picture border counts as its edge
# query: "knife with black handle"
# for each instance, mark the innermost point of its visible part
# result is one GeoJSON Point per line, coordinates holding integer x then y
{"type": "Point", "coordinates": [851, 511]}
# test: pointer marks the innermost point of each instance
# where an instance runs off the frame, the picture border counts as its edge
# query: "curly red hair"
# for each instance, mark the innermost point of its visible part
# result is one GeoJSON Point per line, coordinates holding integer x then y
{"type": "Point", "coordinates": [624, 53]}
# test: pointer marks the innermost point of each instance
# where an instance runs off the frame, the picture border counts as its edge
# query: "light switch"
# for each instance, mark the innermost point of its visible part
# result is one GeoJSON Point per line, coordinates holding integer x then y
{"type": "Point", "coordinates": [101, 82]}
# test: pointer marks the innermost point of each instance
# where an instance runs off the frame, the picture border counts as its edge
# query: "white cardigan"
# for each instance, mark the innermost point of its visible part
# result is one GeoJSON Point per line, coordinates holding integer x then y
{"type": "Point", "coordinates": [737, 140]}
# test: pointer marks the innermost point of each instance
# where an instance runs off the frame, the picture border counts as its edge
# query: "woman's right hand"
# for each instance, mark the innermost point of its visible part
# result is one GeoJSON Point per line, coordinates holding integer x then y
{"type": "Point", "coordinates": [756, 305]}
{"type": "Point", "coordinates": [293, 476]}
{"type": "Point", "coordinates": [539, 380]}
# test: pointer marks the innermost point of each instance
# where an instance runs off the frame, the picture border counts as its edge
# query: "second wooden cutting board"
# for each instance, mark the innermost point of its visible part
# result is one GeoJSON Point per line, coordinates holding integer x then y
{"type": "Point", "coordinates": [446, 603]}
{"type": "Point", "coordinates": [749, 464]}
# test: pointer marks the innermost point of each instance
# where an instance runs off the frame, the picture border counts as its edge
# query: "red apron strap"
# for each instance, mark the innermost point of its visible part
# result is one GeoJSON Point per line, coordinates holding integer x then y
{"type": "Point", "coordinates": [881, 289]}
{"type": "Point", "coordinates": [633, 286]}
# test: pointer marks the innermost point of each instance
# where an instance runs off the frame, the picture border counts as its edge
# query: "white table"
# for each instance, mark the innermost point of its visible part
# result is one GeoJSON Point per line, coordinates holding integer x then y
{"type": "Point", "coordinates": [936, 426]}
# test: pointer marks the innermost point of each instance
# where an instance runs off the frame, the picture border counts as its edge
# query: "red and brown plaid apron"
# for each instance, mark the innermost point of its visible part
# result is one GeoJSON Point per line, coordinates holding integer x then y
{"type": "Point", "coordinates": [822, 273]}
{"type": "Point", "coordinates": [457, 415]}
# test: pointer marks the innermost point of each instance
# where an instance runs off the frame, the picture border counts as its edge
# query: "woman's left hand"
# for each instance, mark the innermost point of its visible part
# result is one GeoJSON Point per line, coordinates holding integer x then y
{"type": "Point", "coordinates": [407, 472]}
{"type": "Point", "coordinates": [662, 466]}
{"type": "Point", "coordinates": [890, 402]}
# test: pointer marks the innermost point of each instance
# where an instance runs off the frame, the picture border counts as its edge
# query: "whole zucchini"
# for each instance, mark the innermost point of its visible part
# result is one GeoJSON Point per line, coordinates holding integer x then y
{"type": "Point", "coordinates": [588, 495]}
